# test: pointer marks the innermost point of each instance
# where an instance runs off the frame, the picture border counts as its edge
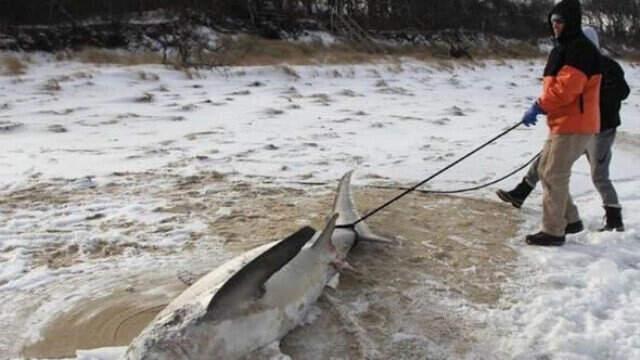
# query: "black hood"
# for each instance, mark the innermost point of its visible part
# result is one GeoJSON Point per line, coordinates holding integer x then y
{"type": "Point", "coordinates": [571, 11]}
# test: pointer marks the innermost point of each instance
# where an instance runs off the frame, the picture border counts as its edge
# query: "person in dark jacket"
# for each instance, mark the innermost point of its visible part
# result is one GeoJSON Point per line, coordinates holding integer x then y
{"type": "Point", "coordinates": [571, 101]}
{"type": "Point", "coordinates": [613, 90]}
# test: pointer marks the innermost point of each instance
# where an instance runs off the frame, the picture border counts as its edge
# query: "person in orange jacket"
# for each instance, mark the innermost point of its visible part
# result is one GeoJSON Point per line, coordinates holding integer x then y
{"type": "Point", "coordinates": [613, 90]}
{"type": "Point", "coordinates": [571, 101]}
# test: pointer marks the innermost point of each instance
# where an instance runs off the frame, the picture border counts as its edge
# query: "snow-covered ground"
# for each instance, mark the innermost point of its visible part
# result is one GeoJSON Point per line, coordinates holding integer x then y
{"type": "Point", "coordinates": [66, 128]}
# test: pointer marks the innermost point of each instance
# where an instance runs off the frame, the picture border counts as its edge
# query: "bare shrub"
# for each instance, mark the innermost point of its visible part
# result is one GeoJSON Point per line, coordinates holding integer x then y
{"type": "Point", "coordinates": [52, 85]}
{"type": "Point", "coordinates": [190, 72]}
{"type": "Point", "coordinates": [251, 50]}
{"type": "Point", "coordinates": [288, 70]}
{"type": "Point", "coordinates": [13, 65]}
{"type": "Point", "coordinates": [148, 76]}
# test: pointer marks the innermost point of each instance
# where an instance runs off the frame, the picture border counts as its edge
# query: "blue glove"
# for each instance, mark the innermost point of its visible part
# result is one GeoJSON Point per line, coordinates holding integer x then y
{"type": "Point", "coordinates": [530, 116]}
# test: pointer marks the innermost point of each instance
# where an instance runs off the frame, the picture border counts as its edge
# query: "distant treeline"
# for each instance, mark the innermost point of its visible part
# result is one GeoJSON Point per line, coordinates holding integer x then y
{"type": "Point", "coordinates": [619, 19]}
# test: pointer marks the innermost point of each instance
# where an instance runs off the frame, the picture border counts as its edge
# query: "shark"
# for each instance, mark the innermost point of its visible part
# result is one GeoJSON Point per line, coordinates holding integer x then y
{"type": "Point", "coordinates": [256, 298]}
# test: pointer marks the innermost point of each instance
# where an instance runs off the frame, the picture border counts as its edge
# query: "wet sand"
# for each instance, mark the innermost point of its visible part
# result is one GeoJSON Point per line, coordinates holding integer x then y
{"type": "Point", "coordinates": [402, 300]}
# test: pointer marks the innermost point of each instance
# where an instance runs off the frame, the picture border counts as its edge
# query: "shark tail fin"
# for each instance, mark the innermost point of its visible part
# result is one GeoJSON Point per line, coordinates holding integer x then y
{"type": "Point", "coordinates": [345, 206]}
{"type": "Point", "coordinates": [367, 235]}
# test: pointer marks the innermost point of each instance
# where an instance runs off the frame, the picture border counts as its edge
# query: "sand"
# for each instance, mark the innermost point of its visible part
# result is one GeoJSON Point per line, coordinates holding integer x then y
{"type": "Point", "coordinates": [401, 300]}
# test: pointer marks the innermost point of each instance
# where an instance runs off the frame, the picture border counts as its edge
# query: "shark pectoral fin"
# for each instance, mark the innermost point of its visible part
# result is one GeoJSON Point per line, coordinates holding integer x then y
{"type": "Point", "coordinates": [342, 265]}
{"type": "Point", "coordinates": [334, 281]}
{"type": "Point", "coordinates": [247, 284]}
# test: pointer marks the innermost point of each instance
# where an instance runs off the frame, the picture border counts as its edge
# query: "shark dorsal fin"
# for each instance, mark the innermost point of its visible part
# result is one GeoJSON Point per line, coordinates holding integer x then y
{"type": "Point", "coordinates": [248, 283]}
{"type": "Point", "coordinates": [343, 202]}
{"type": "Point", "coordinates": [324, 239]}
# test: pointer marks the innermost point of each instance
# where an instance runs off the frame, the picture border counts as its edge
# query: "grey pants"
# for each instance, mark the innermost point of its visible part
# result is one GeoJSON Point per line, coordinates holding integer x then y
{"type": "Point", "coordinates": [599, 155]}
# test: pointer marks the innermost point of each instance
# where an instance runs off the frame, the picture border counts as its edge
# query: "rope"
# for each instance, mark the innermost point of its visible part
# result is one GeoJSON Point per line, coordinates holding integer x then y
{"type": "Point", "coordinates": [374, 211]}
{"type": "Point", "coordinates": [477, 187]}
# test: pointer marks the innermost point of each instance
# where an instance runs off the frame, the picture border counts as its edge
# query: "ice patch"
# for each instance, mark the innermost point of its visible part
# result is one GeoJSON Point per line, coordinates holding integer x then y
{"type": "Point", "coordinates": [106, 353]}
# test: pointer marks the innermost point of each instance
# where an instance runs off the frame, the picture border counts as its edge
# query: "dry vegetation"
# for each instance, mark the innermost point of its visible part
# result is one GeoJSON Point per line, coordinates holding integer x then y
{"type": "Point", "coordinates": [248, 50]}
{"type": "Point", "coordinates": [12, 65]}
{"type": "Point", "coordinates": [103, 56]}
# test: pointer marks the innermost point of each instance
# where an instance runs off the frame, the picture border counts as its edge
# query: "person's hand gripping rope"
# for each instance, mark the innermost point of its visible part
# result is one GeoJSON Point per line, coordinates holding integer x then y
{"type": "Point", "coordinates": [530, 116]}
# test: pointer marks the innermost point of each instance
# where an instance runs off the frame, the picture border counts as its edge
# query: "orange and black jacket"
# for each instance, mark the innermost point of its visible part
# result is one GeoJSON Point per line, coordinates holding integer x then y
{"type": "Point", "coordinates": [572, 76]}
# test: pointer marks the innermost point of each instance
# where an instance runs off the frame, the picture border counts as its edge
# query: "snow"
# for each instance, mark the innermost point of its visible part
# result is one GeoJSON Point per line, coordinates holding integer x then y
{"type": "Point", "coordinates": [106, 353]}
{"type": "Point", "coordinates": [401, 121]}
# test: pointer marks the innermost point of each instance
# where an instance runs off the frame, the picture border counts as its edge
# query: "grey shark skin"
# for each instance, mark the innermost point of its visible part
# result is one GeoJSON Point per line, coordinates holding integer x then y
{"type": "Point", "coordinates": [255, 298]}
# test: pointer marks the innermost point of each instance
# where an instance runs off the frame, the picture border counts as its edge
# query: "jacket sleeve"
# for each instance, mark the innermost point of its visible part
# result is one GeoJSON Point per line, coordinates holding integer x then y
{"type": "Point", "coordinates": [621, 84]}
{"type": "Point", "coordinates": [563, 89]}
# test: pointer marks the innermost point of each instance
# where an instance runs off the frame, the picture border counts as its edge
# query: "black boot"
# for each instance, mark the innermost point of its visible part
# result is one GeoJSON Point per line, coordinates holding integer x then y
{"type": "Point", "coordinates": [544, 239]}
{"type": "Point", "coordinates": [516, 196]}
{"type": "Point", "coordinates": [574, 227]}
{"type": "Point", "coordinates": [613, 217]}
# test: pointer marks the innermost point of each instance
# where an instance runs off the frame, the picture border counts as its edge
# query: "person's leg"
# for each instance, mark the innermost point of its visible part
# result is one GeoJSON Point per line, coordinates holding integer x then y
{"type": "Point", "coordinates": [557, 204]}
{"type": "Point", "coordinates": [560, 152]}
{"type": "Point", "coordinates": [572, 217]}
{"type": "Point", "coordinates": [599, 154]}
{"type": "Point", "coordinates": [541, 238]}
{"type": "Point", "coordinates": [532, 176]}
{"type": "Point", "coordinates": [519, 194]}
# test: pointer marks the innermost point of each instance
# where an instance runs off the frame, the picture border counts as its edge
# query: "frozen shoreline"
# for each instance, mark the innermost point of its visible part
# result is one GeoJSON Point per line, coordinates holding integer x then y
{"type": "Point", "coordinates": [136, 163]}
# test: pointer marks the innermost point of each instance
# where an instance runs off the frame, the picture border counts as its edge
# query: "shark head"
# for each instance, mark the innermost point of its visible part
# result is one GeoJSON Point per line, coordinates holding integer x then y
{"type": "Point", "coordinates": [165, 339]}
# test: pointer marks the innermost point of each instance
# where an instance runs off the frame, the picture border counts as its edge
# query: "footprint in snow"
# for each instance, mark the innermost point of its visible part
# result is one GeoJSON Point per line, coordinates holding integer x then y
{"type": "Point", "coordinates": [455, 111]}
{"type": "Point", "coordinates": [273, 112]}
{"type": "Point", "coordinates": [57, 128]}
{"type": "Point", "coordinates": [406, 118]}
{"type": "Point", "coordinates": [398, 90]}
{"type": "Point", "coordinates": [189, 107]}
{"type": "Point", "coordinates": [292, 92]}
{"type": "Point", "coordinates": [349, 93]}
{"type": "Point", "coordinates": [441, 121]}
{"type": "Point", "coordinates": [8, 126]}
{"type": "Point", "coordinates": [241, 92]}
{"type": "Point", "coordinates": [322, 99]}
{"type": "Point", "coordinates": [381, 83]}
{"type": "Point", "coordinates": [147, 97]}
{"type": "Point", "coordinates": [343, 120]}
